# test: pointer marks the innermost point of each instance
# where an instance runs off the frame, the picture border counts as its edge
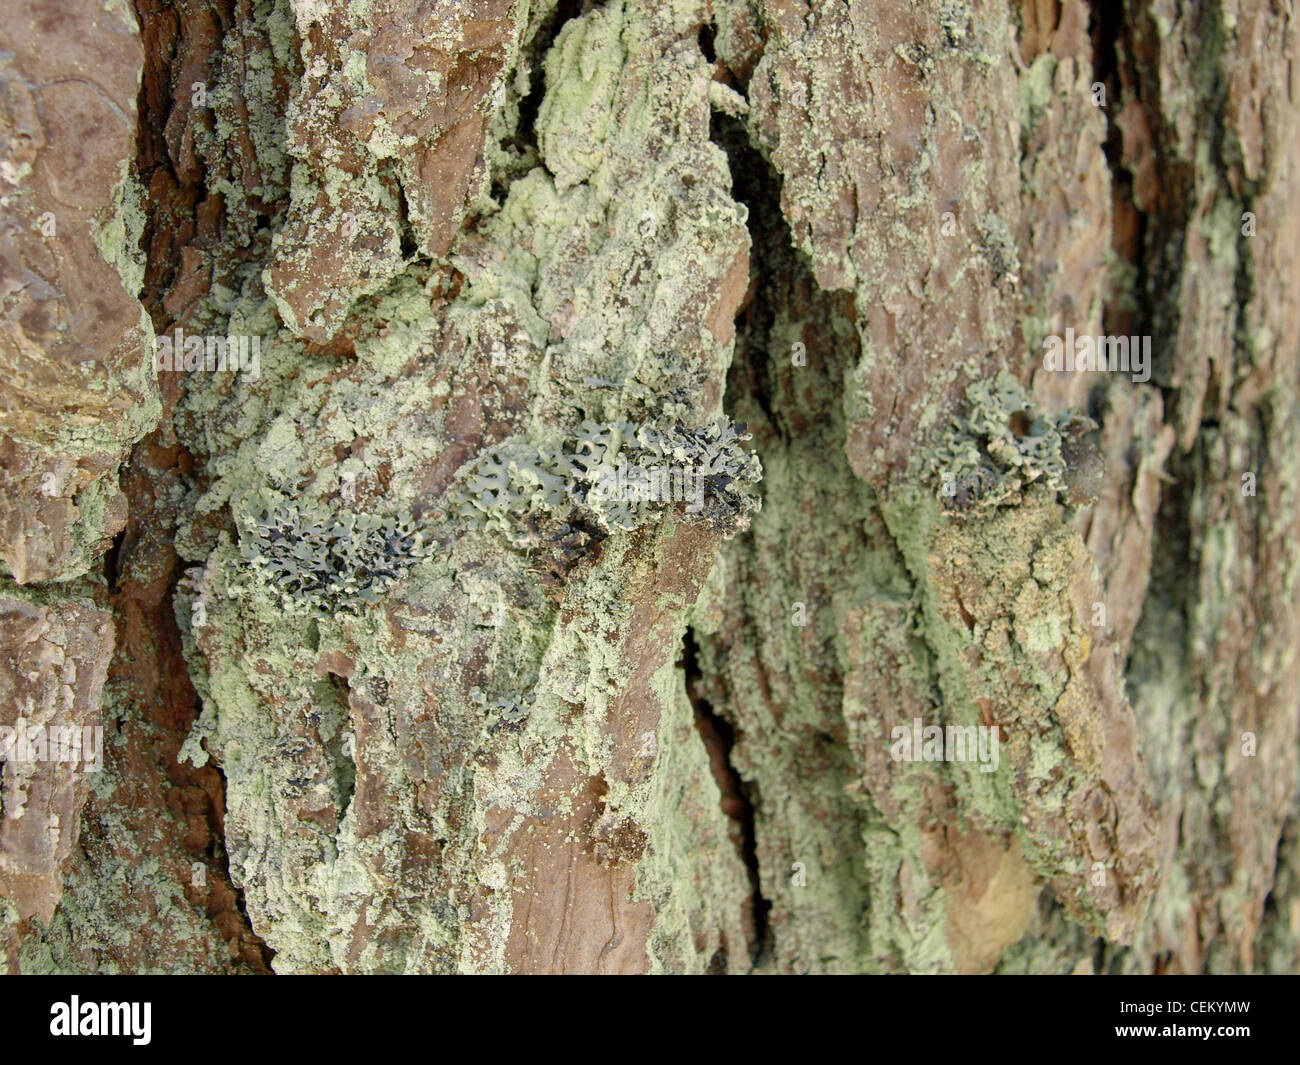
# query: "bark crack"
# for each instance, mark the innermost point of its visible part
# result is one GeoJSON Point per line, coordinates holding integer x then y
{"type": "Point", "coordinates": [738, 797]}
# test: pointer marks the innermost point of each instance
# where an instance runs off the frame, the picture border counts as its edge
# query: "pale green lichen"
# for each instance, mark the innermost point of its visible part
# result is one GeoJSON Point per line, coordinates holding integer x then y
{"type": "Point", "coordinates": [1035, 90]}
{"type": "Point", "coordinates": [118, 237]}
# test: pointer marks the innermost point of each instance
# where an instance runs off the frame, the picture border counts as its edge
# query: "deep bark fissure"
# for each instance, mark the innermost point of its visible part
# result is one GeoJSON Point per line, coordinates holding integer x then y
{"type": "Point", "coordinates": [110, 562]}
{"type": "Point", "coordinates": [173, 198]}
{"type": "Point", "coordinates": [525, 135]}
{"type": "Point", "coordinates": [756, 184]}
{"type": "Point", "coordinates": [221, 856]}
{"type": "Point", "coordinates": [335, 698]}
{"type": "Point", "coordinates": [171, 222]}
{"type": "Point", "coordinates": [1108, 31]}
{"type": "Point", "coordinates": [738, 796]}
{"type": "Point", "coordinates": [1159, 251]}
{"type": "Point", "coordinates": [705, 39]}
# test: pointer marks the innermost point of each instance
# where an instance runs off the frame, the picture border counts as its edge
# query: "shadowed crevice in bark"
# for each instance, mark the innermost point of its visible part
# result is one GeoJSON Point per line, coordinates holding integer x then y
{"type": "Point", "coordinates": [221, 857]}
{"type": "Point", "coordinates": [525, 135]}
{"type": "Point", "coordinates": [175, 811]}
{"type": "Point", "coordinates": [795, 347]}
{"type": "Point", "coordinates": [706, 38]}
{"type": "Point", "coordinates": [407, 240]}
{"type": "Point", "coordinates": [756, 184]}
{"type": "Point", "coordinates": [334, 728]}
{"type": "Point", "coordinates": [110, 562]}
{"type": "Point", "coordinates": [737, 796]}
{"type": "Point", "coordinates": [171, 199]}
{"type": "Point", "coordinates": [1128, 310]}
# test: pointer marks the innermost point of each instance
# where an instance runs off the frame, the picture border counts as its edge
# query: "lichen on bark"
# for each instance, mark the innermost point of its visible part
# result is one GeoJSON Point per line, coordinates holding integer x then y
{"type": "Point", "coordinates": [395, 681]}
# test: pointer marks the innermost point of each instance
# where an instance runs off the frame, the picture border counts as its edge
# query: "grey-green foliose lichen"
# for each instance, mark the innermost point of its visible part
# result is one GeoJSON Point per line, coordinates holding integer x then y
{"type": "Point", "coordinates": [317, 555]}
{"type": "Point", "coordinates": [1000, 445]}
{"type": "Point", "coordinates": [621, 475]}
{"type": "Point", "coordinates": [617, 476]}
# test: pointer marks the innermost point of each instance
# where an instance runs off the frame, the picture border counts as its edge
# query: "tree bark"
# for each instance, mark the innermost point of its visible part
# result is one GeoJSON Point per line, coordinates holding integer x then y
{"type": "Point", "coordinates": [392, 678]}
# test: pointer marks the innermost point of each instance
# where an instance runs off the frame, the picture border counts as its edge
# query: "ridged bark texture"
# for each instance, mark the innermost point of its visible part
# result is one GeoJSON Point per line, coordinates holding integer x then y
{"type": "Point", "coordinates": [389, 680]}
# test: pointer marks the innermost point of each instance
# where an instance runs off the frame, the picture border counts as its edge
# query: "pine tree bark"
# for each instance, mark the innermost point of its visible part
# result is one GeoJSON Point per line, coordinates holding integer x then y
{"type": "Point", "coordinates": [389, 683]}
